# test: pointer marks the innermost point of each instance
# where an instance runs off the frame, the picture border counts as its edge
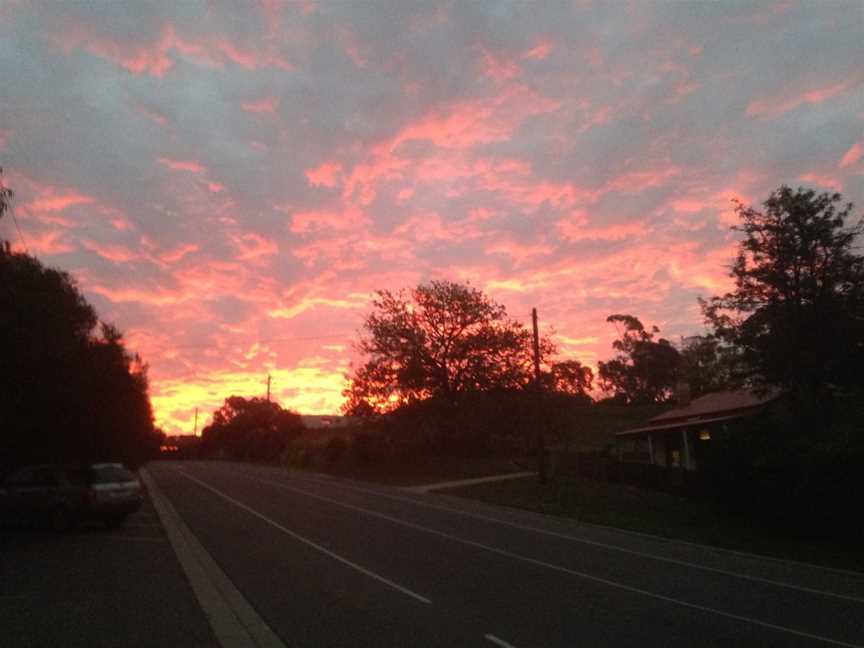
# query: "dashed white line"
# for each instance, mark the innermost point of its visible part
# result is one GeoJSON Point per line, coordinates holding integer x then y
{"type": "Point", "coordinates": [498, 642]}
{"type": "Point", "coordinates": [308, 542]}
{"type": "Point", "coordinates": [564, 570]}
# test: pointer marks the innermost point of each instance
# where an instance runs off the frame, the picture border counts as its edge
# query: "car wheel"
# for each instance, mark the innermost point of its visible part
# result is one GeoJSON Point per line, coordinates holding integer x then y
{"type": "Point", "coordinates": [62, 519]}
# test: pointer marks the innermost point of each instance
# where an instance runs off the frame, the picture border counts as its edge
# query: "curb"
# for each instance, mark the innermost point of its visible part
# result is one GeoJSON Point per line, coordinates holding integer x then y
{"type": "Point", "coordinates": [233, 620]}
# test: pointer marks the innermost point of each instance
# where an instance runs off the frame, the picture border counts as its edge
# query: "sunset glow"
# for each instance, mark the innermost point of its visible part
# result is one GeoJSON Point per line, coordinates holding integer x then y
{"type": "Point", "coordinates": [231, 189]}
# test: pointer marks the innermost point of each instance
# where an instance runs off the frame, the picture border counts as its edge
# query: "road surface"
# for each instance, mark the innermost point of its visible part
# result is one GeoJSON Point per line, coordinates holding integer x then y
{"type": "Point", "coordinates": [329, 562]}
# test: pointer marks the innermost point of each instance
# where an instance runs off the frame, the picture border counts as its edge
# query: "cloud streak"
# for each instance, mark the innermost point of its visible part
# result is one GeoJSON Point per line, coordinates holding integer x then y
{"type": "Point", "coordinates": [231, 188]}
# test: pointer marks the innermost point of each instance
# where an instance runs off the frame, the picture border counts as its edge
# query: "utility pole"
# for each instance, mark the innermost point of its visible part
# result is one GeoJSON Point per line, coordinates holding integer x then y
{"type": "Point", "coordinates": [541, 442]}
{"type": "Point", "coordinates": [268, 388]}
{"type": "Point", "coordinates": [195, 429]}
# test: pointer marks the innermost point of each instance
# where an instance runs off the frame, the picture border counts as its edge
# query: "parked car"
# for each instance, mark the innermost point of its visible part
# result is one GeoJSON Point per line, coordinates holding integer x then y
{"type": "Point", "coordinates": [66, 495]}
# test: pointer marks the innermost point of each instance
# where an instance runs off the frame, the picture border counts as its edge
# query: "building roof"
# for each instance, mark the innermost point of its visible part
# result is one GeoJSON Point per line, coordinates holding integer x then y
{"type": "Point", "coordinates": [716, 403]}
{"type": "Point", "coordinates": [710, 408]}
{"type": "Point", "coordinates": [662, 427]}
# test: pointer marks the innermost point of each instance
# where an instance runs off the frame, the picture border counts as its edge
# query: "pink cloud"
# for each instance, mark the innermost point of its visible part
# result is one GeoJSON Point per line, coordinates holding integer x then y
{"type": "Point", "coordinates": [539, 52]}
{"type": "Point", "coordinates": [152, 115]}
{"type": "Point", "coordinates": [636, 181]}
{"type": "Point", "coordinates": [687, 205]}
{"type": "Point", "coordinates": [519, 252]}
{"type": "Point", "coordinates": [47, 243]}
{"type": "Point", "coordinates": [579, 231]}
{"type": "Point", "coordinates": [178, 253]}
{"type": "Point", "coordinates": [852, 155]}
{"type": "Point", "coordinates": [324, 175]}
{"type": "Point", "coordinates": [498, 68]}
{"type": "Point", "coordinates": [773, 106]}
{"type": "Point", "coordinates": [156, 58]}
{"type": "Point", "coordinates": [254, 246]}
{"type": "Point", "coordinates": [57, 203]}
{"type": "Point", "coordinates": [265, 105]}
{"type": "Point", "coordinates": [310, 221]}
{"type": "Point", "coordinates": [182, 165]}
{"type": "Point", "coordinates": [823, 181]}
{"type": "Point", "coordinates": [111, 252]}
{"type": "Point", "coordinates": [215, 187]}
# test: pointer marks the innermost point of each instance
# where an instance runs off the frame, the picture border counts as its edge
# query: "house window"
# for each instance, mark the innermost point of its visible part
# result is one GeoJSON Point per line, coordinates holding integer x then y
{"type": "Point", "coordinates": [705, 435]}
{"type": "Point", "coordinates": [675, 459]}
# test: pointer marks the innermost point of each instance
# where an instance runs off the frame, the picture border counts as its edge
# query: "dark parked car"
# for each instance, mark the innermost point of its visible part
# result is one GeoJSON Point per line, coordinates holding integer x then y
{"type": "Point", "coordinates": [65, 495]}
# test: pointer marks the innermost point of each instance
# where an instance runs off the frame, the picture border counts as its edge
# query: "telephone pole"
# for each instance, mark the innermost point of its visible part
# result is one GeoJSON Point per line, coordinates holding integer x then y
{"type": "Point", "coordinates": [195, 429]}
{"type": "Point", "coordinates": [541, 442]}
{"type": "Point", "coordinates": [268, 388]}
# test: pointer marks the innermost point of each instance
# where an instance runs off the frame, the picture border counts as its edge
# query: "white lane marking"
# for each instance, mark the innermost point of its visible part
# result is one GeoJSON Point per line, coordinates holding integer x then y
{"type": "Point", "coordinates": [594, 543]}
{"type": "Point", "coordinates": [564, 570]}
{"type": "Point", "coordinates": [306, 541]}
{"type": "Point", "coordinates": [233, 620]}
{"type": "Point", "coordinates": [498, 642]}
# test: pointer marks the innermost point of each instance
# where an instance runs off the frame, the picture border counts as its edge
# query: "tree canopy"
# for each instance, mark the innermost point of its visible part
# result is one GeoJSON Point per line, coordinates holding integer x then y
{"type": "Point", "coordinates": [645, 370]}
{"type": "Point", "coordinates": [797, 310]}
{"type": "Point", "coordinates": [708, 365]}
{"type": "Point", "coordinates": [69, 389]}
{"type": "Point", "coordinates": [250, 429]}
{"type": "Point", "coordinates": [438, 340]}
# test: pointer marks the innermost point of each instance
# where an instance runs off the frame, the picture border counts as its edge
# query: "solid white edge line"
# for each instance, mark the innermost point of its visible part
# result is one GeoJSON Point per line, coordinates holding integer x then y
{"type": "Point", "coordinates": [572, 572]}
{"type": "Point", "coordinates": [498, 642]}
{"type": "Point", "coordinates": [611, 547]}
{"type": "Point", "coordinates": [233, 620]}
{"type": "Point", "coordinates": [306, 541]}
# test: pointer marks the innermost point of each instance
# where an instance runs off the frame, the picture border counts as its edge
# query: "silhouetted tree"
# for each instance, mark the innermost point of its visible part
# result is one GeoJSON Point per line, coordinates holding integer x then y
{"type": "Point", "coordinates": [440, 340]}
{"type": "Point", "coordinates": [708, 365]}
{"type": "Point", "coordinates": [571, 377]}
{"type": "Point", "coordinates": [250, 429]}
{"type": "Point", "coordinates": [797, 310]}
{"type": "Point", "coordinates": [68, 390]}
{"type": "Point", "coordinates": [645, 370]}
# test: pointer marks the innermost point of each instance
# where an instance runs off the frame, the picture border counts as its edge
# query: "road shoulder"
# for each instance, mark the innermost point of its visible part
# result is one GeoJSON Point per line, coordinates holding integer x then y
{"type": "Point", "coordinates": [233, 620]}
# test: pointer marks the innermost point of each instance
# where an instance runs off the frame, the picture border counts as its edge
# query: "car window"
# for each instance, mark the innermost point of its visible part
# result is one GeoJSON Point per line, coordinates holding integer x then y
{"type": "Point", "coordinates": [110, 475]}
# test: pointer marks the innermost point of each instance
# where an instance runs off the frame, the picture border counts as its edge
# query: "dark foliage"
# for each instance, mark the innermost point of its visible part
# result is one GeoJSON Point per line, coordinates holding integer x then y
{"type": "Point", "coordinates": [69, 390]}
{"type": "Point", "coordinates": [797, 311]}
{"type": "Point", "coordinates": [707, 365]}
{"type": "Point", "coordinates": [438, 341]}
{"type": "Point", "coordinates": [252, 429]}
{"type": "Point", "coordinates": [768, 469]}
{"type": "Point", "coordinates": [645, 369]}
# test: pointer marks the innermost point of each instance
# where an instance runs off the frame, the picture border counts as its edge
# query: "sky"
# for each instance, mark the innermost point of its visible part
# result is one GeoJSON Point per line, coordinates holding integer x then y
{"type": "Point", "coordinates": [229, 183]}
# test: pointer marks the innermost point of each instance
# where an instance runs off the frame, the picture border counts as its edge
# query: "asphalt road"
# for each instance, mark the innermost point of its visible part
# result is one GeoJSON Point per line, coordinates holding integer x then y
{"type": "Point", "coordinates": [329, 562]}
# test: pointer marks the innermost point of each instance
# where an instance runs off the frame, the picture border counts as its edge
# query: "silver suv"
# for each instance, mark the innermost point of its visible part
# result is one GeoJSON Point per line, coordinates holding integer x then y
{"type": "Point", "coordinates": [65, 495]}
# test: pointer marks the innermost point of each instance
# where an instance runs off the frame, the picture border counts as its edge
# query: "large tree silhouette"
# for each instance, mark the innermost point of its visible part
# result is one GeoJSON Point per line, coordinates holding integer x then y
{"type": "Point", "coordinates": [252, 429]}
{"type": "Point", "coordinates": [797, 310]}
{"type": "Point", "coordinates": [439, 340]}
{"type": "Point", "coordinates": [69, 390]}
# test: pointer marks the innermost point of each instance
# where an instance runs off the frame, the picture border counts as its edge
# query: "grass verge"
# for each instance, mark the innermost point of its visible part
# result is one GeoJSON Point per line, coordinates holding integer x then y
{"type": "Point", "coordinates": [434, 470]}
{"type": "Point", "coordinates": [635, 509]}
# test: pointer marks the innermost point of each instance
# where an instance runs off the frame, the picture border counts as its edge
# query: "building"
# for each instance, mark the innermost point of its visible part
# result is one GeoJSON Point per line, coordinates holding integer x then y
{"type": "Point", "coordinates": [678, 438]}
